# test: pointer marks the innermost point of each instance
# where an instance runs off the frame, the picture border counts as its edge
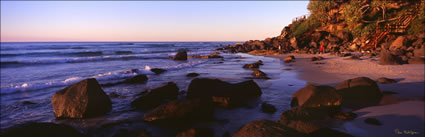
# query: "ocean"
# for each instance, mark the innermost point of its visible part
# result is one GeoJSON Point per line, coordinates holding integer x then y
{"type": "Point", "coordinates": [31, 72]}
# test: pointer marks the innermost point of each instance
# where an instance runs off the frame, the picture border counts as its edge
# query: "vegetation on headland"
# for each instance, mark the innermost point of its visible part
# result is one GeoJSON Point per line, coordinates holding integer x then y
{"type": "Point", "coordinates": [351, 26]}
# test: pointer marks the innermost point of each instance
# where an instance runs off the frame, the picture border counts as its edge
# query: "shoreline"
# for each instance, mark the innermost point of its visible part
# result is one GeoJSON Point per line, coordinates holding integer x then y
{"type": "Point", "coordinates": [403, 116]}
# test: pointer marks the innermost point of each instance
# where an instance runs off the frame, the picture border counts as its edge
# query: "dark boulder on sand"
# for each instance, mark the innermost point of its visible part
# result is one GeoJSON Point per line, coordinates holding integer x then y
{"type": "Point", "coordinates": [306, 120]}
{"type": "Point", "coordinates": [316, 58]}
{"type": "Point", "coordinates": [181, 111]}
{"type": "Point", "coordinates": [158, 70]}
{"type": "Point", "coordinates": [223, 93]}
{"type": "Point", "coordinates": [196, 132]}
{"type": "Point", "coordinates": [81, 100]}
{"type": "Point", "coordinates": [359, 92]}
{"type": "Point", "coordinates": [384, 80]}
{"type": "Point", "coordinates": [386, 58]}
{"type": "Point", "coordinates": [137, 79]}
{"type": "Point", "coordinates": [268, 108]}
{"type": "Point", "coordinates": [41, 130]}
{"type": "Point", "coordinates": [181, 55]}
{"type": "Point", "coordinates": [157, 96]}
{"type": "Point", "coordinates": [192, 75]}
{"type": "Point", "coordinates": [316, 96]}
{"type": "Point", "coordinates": [266, 128]}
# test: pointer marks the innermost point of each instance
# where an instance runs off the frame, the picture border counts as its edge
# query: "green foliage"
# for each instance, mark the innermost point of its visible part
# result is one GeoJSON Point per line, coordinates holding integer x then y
{"type": "Point", "coordinates": [363, 30]}
{"type": "Point", "coordinates": [417, 26]}
{"type": "Point", "coordinates": [302, 26]}
{"type": "Point", "coordinates": [319, 10]}
{"type": "Point", "coordinates": [352, 14]}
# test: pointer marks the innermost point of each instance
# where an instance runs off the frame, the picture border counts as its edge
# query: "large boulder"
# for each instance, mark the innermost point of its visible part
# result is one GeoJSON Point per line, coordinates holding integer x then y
{"type": "Point", "coordinates": [416, 60]}
{"type": "Point", "coordinates": [196, 132]}
{"type": "Point", "coordinates": [223, 93]}
{"type": "Point", "coordinates": [266, 128]}
{"type": "Point", "coordinates": [41, 130]}
{"type": "Point", "coordinates": [316, 96]}
{"type": "Point", "coordinates": [181, 111]}
{"type": "Point", "coordinates": [359, 92]}
{"type": "Point", "coordinates": [157, 96]}
{"type": "Point", "coordinates": [398, 43]}
{"type": "Point", "coordinates": [419, 52]}
{"type": "Point", "coordinates": [306, 120]}
{"type": "Point", "coordinates": [386, 58]}
{"type": "Point", "coordinates": [181, 55]}
{"type": "Point", "coordinates": [81, 100]}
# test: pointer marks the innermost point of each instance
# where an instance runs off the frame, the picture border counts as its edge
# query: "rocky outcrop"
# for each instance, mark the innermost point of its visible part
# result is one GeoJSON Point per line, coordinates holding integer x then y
{"type": "Point", "coordinates": [41, 130]}
{"type": "Point", "coordinates": [158, 70]}
{"type": "Point", "coordinates": [196, 132]}
{"type": "Point", "coordinates": [81, 100]}
{"type": "Point", "coordinates": [266, 128]}
{"type": "Point", "coordinates": [359, 92]}
{"type": "Point", "coordinates": [157, 96]}
{"type": "Point", "coordinates": [181, 111]}
{"type": "Point", "coordinates": [223, 93]}
{"type": "Point", "coordinates": [181, 55]}
{"type": "Point", "coordinates": [316, 96]}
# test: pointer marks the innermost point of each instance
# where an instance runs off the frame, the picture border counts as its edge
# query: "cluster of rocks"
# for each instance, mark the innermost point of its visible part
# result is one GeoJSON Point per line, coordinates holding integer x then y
{"type": "Point", "coordinates": [315, 107]}
{"type": "Point", "coordinates": [256, 73]}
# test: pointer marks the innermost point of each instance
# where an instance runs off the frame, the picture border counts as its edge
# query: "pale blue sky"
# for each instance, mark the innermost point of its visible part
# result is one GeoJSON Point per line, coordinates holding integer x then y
{"type": "Point", "coordinates": [146, 20]}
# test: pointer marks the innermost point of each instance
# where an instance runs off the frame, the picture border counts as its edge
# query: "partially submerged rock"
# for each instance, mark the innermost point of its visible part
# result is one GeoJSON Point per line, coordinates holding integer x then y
{"type": "Point", "coordinates": [359, 92]}
{"type": "Point", "coordinates": [372, 121]}
{"type": "Point", "coordinates": [384, 80]}
{"type": "Point", "coordinates": [192, 75]}
{"type": "Point", "coordinates": [306, 120]}
{"type": "Point", "coordinates": [137, 79]}
{"type": "Point", "coordinates": [157, 96]}
{"type": "Point", "coordinates": [81, 100]}
{"type": "Point", "coordinates": [316, 96]}
{"type": "Point", "coordinates": [259, 74]}
{"type": "Point", "coordinates": [181, 55]}
{"type": "Point", "coordinates": [316, 58]}
{"type": "Point", "coordinates": [181, 111]}
{"type": "Point", "coordinates": [41, 130]}
{"type": "Point", "coordinates": [223, 93]}
{"type": "Point", "coordinates": [289, 59]}
{"type": "Point", "coordinates": [158, 70]}
{"type": "Point", "coordinates": [268, 108]}
{"type": "Point", "coordinates": [255, 65]}
{"type": "Point", "coordinates": [266, 128]}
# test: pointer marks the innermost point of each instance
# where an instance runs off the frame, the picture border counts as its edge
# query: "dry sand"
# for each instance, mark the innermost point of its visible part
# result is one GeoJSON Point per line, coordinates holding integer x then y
{"type": "Point", "coordinates": [404, 118]}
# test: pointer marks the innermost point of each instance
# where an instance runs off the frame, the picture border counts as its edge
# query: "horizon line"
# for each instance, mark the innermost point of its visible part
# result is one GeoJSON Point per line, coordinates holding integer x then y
{"type": "Point", "coordinates": [108, 41]}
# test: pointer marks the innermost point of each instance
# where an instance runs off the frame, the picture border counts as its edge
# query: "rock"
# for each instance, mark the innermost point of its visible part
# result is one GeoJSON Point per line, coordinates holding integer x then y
{"type": "Point", "coordinates": [384, 80]}
{"type": "Point", "coordinates": [137, 79]}
{"type": "Point", "coordinates": [345, 116]}
{"type": "Point", "coordinates": [386, 58]}
{"type": "Point", "coordinates": [223, 93]}
{"type": "Point", "coordinates": [253, 65]}
{"type": "Point", "coordinates": [266, 128]}
{"type": "Point", "coordinates": [258, 73]}
{"type": "Point", "coordinates": [398, 43]}
{"type": "Point", "coordinates": [359, 92]}
{"type": "Point", "coordinates": [81, 100]}
{"type": "Point", "coordinates": [192, 75]}
{"type": "Point", "coordinates": [41, 130]}
{"type": "Point", "coordinates": [28, 102]}
{"type": "Point", "coordinates": [372, 121]}
{"type": "Point", "coordinates": [289, 59]}
{"type": "Point", "coordinates": [114, 95]}
{"type": "Point", "coordinates": [268, 108]}
{"type": "Point", "coordinates": [181, 55]}
{"type": "Point", "coordinates": [158, 70]}
{"type": "Point", "coordinates": [416, 60]}
{"type": "Point", "coordinates": [306, 120]}
{"type": "Point", "coordinates": [344, 36]}
{"type": "Point", "coordinates": [316, 58]}
{"type": "Point", "coordinates": [215, 55]}
{"type": "Point", "coordinates": [181, 111]}
{"type": "Point", "coordinates": [419, 52]}
{"type": "Point", "coordinates": [327, 132]}
{"type": "Point", "coordinates": [157, 96]}
{"type": "Point", "coordinates": [196, 132]}
{"type": "Point", "coordinates": [316, 96]}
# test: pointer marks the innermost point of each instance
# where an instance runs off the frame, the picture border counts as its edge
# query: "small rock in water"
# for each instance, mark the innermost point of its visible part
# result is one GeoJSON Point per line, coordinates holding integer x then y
{"type": "Point", "coordinates": [289, 59]}
{"type": "Point", "coordinates": [137, 79]}
{"type": "Point", "coordinates": [258, 73]}
{"type": "Point", "coordinates": [372, 121]}
{"type": "Point", "coordinates": [345, 115]}
{"type": "Point", "coordinates": [158, 70]}
{"type": "Point", "coordinates": [182, 55]}
{"type": "Point", "coordinates": [384, 80]}
{"type": "Point", "coordinates": [114, 94]}
{"type": "Point", "coordinates": [268, 108]}
{"type": "Point", "coordinates": [28, 102]}
{"type": "Point", "coordinates": [192, 75]}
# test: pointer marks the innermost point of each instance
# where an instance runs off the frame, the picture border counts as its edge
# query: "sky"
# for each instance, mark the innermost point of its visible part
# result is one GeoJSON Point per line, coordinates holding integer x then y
{"type": "Point", "coordinates": [44, 21]}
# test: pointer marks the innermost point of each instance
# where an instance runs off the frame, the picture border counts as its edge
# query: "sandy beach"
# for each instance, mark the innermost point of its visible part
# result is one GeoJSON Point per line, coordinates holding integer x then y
{"type": "Point", "coordinates": [404, 116]}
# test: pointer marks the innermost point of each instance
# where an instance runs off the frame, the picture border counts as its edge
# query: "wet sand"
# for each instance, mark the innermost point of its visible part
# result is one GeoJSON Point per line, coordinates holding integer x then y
{"type": "Point", "coordinates": [404, 117]}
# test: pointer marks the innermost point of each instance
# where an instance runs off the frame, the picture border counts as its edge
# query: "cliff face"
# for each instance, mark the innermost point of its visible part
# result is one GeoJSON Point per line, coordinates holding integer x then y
{"type": "Point", "coordinates": [351, 26]}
